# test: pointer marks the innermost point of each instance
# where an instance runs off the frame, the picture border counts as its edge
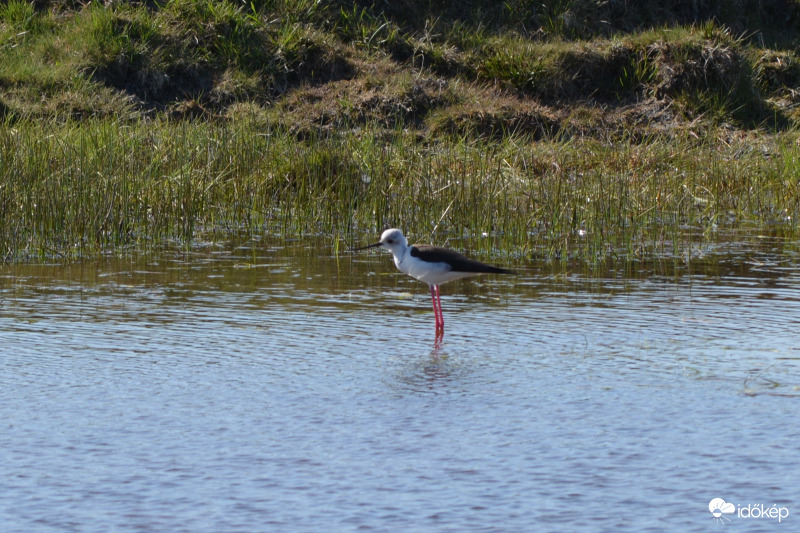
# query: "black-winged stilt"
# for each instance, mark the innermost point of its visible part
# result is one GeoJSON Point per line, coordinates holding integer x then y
{"type": "Point", "coordinates": [431, 264]}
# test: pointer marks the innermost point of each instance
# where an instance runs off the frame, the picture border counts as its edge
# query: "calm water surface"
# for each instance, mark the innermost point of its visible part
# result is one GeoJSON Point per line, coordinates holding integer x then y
{"type": "Point", "coordinates": [267, 388]}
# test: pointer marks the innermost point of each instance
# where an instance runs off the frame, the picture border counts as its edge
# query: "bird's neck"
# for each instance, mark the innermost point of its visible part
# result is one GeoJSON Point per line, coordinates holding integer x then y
{"type": "Point", "coordinates": [401, 259]}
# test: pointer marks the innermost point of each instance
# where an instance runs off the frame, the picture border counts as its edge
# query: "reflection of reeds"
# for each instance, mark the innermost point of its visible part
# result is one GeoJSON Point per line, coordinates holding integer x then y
{"type": "Point", "coordinates": [77, 188]}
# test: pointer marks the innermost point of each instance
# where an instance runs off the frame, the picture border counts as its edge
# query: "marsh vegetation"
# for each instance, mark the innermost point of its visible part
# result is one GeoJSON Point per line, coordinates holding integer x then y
{"type": "Point", "coordinates": [579, 130]}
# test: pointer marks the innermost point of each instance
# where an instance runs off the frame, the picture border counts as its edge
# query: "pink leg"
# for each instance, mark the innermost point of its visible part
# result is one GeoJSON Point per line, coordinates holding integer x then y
{"type": "Point", "coordinates": [439, 306]}
{"type": "Point", "coordinates": [433, 299]}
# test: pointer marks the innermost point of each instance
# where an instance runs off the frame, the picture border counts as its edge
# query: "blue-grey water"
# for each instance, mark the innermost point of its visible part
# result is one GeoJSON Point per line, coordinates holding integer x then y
{"type": "Point", "coordinates": [281, 387]}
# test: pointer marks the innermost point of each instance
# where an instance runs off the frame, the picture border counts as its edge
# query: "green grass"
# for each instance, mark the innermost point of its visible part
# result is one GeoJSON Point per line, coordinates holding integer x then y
{"type": "Point", "coordinates": [78, 188]}
{"type": "Point", "coordinates": [564, 129]}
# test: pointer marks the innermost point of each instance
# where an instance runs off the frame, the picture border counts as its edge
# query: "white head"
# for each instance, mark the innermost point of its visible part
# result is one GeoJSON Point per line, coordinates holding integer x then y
{"type": "Point", "coordinates": [393, 240]}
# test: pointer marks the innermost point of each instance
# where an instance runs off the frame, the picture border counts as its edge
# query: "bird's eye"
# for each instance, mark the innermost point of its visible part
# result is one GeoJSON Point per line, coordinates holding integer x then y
{"type": "Point", "coordinates": [390, 241]}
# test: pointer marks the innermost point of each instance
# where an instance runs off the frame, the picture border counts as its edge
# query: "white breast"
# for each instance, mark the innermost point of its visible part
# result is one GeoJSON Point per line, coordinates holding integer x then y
{"type": "Point", "coordinates": [430, 273]}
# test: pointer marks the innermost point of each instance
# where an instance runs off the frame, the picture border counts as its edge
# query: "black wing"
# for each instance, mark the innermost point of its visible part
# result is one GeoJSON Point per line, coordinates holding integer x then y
{"type": "Point", "coordinates": [458, 262]}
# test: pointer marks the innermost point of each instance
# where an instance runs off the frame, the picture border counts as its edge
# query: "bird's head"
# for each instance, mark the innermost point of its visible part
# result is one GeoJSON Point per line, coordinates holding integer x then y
{"type": "Point", "coordinates": [391, 239]}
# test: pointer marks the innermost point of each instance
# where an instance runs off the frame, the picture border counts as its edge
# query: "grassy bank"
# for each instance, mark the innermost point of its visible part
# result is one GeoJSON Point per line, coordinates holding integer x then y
{"type": "Point", "coordinates": [562, 129]}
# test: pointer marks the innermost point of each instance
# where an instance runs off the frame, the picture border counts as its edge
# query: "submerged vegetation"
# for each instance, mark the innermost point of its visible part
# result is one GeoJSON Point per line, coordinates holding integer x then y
{"type": "Point", "coordinates": [561, 129]}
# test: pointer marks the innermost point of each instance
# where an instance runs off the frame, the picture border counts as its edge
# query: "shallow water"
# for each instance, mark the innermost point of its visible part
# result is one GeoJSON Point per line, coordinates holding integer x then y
{"type": "Point", "coordinates": [271, 387]}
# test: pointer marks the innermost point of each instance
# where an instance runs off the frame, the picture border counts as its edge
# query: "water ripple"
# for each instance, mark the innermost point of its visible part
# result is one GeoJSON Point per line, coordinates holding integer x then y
{"type": "Point", "coordinates": [210, 396]}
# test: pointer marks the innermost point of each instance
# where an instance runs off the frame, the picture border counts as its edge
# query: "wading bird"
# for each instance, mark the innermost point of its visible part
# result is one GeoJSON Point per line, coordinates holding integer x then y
{"type": "Point", "coordinates": [431, 264]}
